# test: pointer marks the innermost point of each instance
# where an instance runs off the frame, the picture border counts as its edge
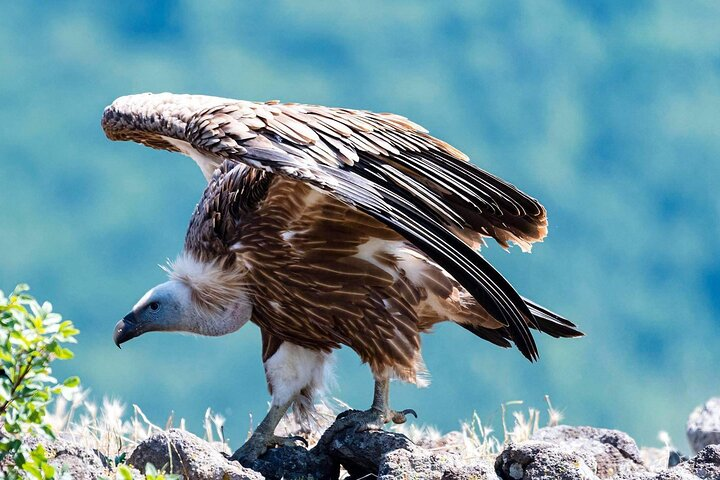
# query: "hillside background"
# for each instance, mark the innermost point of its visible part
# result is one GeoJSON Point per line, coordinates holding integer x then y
{"type": "Point", "coordinates": [606, 111]}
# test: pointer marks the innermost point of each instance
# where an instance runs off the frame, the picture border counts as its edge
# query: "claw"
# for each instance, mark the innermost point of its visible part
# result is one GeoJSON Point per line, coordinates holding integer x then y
{"type": "Point", "coordinates": [400, 417]}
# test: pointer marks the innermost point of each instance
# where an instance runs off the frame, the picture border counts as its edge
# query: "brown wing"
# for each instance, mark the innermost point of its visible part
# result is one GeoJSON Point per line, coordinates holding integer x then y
{"type": "Point", "coordinates": [381, 164]}
{"type": "Point", "coordinates": [439, 176]}
{"type": "Point", "coordinates": [473, 201]}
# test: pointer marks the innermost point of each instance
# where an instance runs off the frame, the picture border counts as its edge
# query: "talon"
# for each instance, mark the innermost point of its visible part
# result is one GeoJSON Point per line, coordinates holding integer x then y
{"type": "Point", "coordinates": [401, 416]}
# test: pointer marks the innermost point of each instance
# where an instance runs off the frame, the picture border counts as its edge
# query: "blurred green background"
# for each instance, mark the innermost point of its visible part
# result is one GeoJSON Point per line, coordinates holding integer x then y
{"type": "Point", "coordinates": [605, 111]}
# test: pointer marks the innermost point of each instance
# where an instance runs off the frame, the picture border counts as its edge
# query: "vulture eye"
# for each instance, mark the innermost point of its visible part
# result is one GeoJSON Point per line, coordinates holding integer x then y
{"type": "Point", "coordinates": [154, 306]}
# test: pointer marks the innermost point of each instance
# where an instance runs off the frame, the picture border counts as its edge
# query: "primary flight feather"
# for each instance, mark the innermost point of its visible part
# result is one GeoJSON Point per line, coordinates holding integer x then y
{"type": "Point", "coordinates": [329, 227]}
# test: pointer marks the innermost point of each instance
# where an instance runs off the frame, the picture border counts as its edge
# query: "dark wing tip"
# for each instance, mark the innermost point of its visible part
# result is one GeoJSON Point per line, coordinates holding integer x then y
{"type": "Point", "coordinates": [551, 323]}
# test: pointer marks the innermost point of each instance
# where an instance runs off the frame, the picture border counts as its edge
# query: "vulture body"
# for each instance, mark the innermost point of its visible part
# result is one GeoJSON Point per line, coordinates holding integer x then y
{"type": "Point", "coordinates": [329, 227]}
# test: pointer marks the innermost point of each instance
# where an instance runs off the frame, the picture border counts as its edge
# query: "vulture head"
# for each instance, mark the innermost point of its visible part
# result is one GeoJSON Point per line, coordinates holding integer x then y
{"type": "Point", "coordinates": [166, 307]}
{"type": "Point", "coordinates": [192, 301]}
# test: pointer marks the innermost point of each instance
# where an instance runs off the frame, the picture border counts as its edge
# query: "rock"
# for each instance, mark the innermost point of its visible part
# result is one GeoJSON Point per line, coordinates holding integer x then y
{"type": "Point", "coordinates": [614, 452]}
{"type": "Point", "coordinates": [80, 462]}
{"type": "Point", "coordinates": [362, 453]}
{"type": "Point", "coordinates": [390, 455]}
{"type": "Point", "coordinates": [706, 465]}
{"type": "Point", "coordinates": [420, 464]}
{"type": "Point", "coordinates": [367, 454]}
{"type": "Point", "coordinates": [557, 453]}
{"type": "Point", "coordinates": [291, 463]}
{"type": "Point", "coordinates": [703, 426]}
{"type": "Point", "coordinates": [536, 460]}
{"type": "Point", "coordinates": [191, 457]}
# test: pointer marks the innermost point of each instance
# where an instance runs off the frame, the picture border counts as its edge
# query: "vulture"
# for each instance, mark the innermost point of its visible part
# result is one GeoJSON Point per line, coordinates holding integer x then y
{"type": "Point", "coordinates": [328, 227]}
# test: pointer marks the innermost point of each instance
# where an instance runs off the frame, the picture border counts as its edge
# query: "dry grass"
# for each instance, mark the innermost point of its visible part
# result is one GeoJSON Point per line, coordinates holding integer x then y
{"type": "Point", "coordinates": [111, 431]}
{"type": "Point", "coordinates": [114, 430]}
{"type": "Point", "coordinates": [477, 439]}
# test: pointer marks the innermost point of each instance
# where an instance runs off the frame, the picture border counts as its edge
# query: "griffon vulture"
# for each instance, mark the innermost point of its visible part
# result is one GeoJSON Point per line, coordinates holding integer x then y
{"type": "Point", "coordinates": [329, 227]}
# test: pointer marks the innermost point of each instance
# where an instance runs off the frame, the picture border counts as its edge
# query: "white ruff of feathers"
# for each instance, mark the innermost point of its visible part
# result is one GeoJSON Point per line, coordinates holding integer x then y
{"type": "Point", "coordinates": [214, 288]}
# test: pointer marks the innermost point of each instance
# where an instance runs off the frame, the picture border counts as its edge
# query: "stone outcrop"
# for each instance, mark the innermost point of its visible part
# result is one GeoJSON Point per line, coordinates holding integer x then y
{"type": "Point", "coordinates": [180, 452]}
{"type": "Point", "coordinates": [552, 453]}
{"type": "Point", "coordinates": [81, 463]}
{"type": "Point", "coordinates": [613, 452]}
{"type": "Point", "coordinates": [703, 426]}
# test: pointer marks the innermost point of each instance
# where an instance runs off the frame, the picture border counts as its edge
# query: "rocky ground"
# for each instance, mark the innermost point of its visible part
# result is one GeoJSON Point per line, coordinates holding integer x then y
{"type": "Point", "coordinates": [561, 452]}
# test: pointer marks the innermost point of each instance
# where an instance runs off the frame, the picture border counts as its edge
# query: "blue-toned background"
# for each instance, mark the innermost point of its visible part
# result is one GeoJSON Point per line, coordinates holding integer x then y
{"type": "Point", "coordinates": [605, 111]}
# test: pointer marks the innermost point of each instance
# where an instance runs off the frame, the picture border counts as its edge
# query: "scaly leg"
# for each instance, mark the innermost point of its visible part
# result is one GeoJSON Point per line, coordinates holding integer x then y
{"type": "Point", "coordinates": [264, 437]}
{"type": "Point", "coordinates": [381, 405]}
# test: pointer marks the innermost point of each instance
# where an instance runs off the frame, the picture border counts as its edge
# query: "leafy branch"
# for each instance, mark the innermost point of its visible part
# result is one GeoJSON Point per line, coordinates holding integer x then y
{"type": "Point", "coordinates": [31, 337]}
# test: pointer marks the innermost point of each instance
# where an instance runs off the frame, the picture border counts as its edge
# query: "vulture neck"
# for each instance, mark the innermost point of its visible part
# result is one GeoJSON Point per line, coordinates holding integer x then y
{"type": "Point", "coordinates": [219, 296]}
{"type": "Point", "coordinates": [216, 324]}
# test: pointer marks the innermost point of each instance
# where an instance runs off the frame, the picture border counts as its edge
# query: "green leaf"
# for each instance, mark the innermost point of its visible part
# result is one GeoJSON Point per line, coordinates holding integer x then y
{"type": "Point", "coordinates": [150, 469]}
{"type": "Point", "coordinates": [33, 470]}
{"type": "Point", "coordinates": [68, 329]}
{"type": "Point", "coordinates": [38, 454]}
{"type": "Point", "coordinates": [47, 429]}
{"type": "Point", "coordinates": [48, 470]}
{"type": "Point", "coordinates": [72, 382]}
{"type": "Point", "coordinates": [63, 353]}
{"type": "Point", "coordinates": [124, 473]}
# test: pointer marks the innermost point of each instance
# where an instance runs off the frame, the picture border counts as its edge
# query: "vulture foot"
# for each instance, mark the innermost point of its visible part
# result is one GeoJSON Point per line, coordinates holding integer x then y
{"type": "Point", "coordinates": [372, 419]}
{"type": "Point", "coordinates": [259, 443]}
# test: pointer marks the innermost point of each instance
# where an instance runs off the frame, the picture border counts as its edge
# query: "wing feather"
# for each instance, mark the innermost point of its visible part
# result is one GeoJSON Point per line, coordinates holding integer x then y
{"type": "Point", "coordinates": [470, 269]}
{"type": "Point", "coordinates": [382, 164]}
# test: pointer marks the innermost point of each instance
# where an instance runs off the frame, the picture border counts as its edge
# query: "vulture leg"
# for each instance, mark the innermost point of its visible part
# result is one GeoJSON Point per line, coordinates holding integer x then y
{"type": "Point", "coordinates": [294, 375]}
{"type": "Point", "coordinates": [381, 404]}
{"type": "Point", "coordinates": [264, 437]}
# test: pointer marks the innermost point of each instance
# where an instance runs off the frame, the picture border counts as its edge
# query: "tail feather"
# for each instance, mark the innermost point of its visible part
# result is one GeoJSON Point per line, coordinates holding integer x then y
{"type": "Point", "coordinates": [543, 319]}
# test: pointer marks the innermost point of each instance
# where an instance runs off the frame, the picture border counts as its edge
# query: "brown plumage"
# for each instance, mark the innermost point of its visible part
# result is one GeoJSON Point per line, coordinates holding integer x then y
{"type": "Point", "coordinates": [345, 227]}
{"type": "Point", "coordinates": [324, 274]}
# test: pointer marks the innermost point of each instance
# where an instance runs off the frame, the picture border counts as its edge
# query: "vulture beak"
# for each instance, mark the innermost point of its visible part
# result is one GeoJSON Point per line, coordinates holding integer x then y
{"type": "Point", "coordinates": [126, 329]}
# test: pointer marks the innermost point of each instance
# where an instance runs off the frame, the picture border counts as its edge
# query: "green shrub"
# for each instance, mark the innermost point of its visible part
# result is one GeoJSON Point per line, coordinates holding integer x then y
{"type": "Point", "coordinates": [31, 337]}
{"type": "Point", "coordinates": [151, 473]}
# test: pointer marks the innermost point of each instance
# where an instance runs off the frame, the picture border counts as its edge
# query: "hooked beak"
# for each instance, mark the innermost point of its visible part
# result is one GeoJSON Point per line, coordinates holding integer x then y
{"type": "Point", "coordinates": [126, 329]}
